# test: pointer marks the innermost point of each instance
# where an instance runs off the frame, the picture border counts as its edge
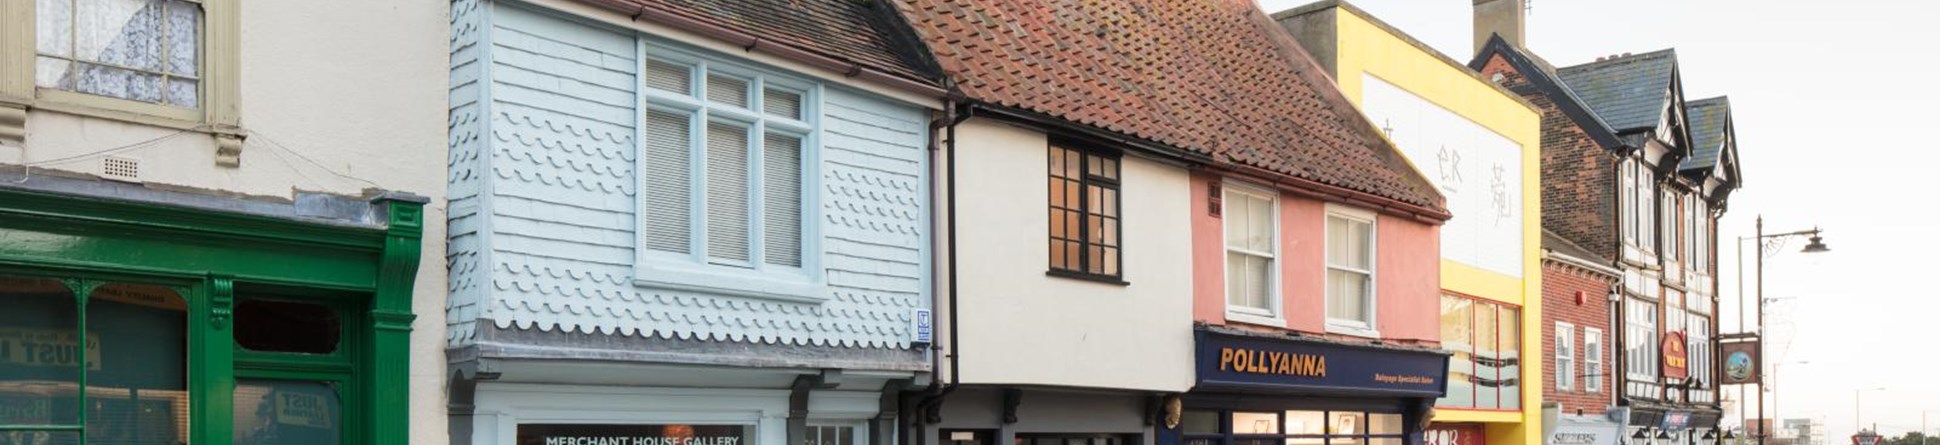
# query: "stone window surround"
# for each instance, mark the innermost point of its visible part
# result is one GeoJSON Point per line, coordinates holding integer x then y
{"type": "Point", "coordinates": [221, 55]}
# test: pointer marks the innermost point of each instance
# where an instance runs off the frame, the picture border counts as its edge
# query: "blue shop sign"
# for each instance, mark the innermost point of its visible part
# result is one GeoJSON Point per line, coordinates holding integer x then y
{"type": "Point", "coordinates": [1676, 421]}
{"type": "Point", "coordinates": [1242, 362]}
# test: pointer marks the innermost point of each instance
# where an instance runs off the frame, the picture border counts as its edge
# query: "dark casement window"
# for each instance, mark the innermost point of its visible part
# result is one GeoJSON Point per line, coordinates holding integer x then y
{"type": "Point", "coordinates": [1084, 214]}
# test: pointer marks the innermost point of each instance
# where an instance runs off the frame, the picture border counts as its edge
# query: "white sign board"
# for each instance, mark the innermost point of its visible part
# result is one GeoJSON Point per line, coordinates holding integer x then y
{"type": "Point", "coordinates": [1478, 170]}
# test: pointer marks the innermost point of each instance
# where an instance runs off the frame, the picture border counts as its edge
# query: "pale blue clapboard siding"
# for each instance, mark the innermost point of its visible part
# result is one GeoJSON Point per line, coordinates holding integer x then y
{"type": "Point", "coordinates": [559, 219]}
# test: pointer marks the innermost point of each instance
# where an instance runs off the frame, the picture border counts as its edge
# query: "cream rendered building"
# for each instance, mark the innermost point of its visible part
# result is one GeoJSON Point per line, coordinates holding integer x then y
{"type": "Point", "coordinates": [259, 169]}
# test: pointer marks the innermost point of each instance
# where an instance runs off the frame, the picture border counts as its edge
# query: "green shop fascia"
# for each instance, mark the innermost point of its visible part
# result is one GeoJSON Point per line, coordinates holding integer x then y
{"type": "Point", "coordinates": [136, 315]}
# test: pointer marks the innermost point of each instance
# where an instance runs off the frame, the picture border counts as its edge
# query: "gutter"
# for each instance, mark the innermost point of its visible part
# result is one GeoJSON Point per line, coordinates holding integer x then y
{"type": "Point", "coordinates": [754, 43]}
{"type": "Point", "coordinates": [937, 390]}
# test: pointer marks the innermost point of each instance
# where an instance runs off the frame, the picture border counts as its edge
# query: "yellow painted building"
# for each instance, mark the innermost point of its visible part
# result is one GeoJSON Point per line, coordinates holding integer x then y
{"type": "Point", "coordinates": [1480, 144]}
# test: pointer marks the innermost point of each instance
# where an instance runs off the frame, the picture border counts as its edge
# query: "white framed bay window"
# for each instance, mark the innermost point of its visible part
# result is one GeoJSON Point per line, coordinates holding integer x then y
{"type": "Point", "coordinates": [1251, 218]}
{"type": "Point", "coordinates": [1350, 271]}
{"type": "Point", "coordinates": [725, 159]}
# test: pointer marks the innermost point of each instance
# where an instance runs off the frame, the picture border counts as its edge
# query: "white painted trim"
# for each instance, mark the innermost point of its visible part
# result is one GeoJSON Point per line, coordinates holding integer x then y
{"type": "Point", "coordinates": [1359, 328]}
{"type": "Point", "coordinates": [1565, 377]}
{"type": "Point", "coordinates": [1275, 312]}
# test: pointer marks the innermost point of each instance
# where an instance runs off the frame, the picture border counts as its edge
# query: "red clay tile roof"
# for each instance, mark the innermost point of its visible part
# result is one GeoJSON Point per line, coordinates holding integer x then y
{"type": "Point", "coordinates": [854, 30]}
{"type": "Point", "coordinates": [1211, 76]}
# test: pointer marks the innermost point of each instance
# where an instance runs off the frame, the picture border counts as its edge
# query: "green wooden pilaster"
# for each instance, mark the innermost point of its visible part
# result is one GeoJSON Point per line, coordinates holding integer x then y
{"type": "Point", "coordinates": [389, 367]}
{"type": "Point", "coordinates": [214, 384]}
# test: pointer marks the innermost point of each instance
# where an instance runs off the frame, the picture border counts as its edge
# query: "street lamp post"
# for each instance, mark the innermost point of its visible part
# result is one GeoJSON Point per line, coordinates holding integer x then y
{"type": "Point", "coordinates": [1775, 371]}
{"type": "Point", "coordinates": [1816, 245]}
{"type": "Point", "coordinates": [1856, 425]}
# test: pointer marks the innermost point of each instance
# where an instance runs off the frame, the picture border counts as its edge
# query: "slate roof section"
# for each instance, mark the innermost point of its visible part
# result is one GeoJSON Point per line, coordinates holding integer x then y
{"type": "Point", "coordinates": [1543, 76]}
{"type": "Point", "coordinates": [1628, 92]}
{"type": "Point", "coordinates": [1556, 244]}
{"type": "Point", "coordinates": [864, 32]}
{"type": "Point", "coordinates": [1211, 77]}
{"type": "Point", "coordinates": [1710, 122]}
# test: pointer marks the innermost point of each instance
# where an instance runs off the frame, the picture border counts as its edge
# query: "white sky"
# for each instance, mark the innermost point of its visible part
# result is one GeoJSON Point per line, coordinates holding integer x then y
{"type": "Point", "coordinates": [1833, 104]}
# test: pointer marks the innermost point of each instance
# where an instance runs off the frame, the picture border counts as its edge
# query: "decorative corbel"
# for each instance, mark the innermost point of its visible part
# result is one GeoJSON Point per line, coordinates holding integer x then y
{"type": "Point", "coordinates": [13, 123]}
{"type": "Point", "coordinates": [229, 145]}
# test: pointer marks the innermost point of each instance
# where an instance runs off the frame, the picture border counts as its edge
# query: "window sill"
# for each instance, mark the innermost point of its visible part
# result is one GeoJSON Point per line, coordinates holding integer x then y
{"type": "Point", "coordinates": [1351, 328]}
{"type": "Point", "coordinates": [1250, 316]}
{"type": "Point", "coordinates": [1107, 279]}
{"type": "Point", "coordinates": [795, 288]}
{"type": "Point", "coordinates": [79, 104]}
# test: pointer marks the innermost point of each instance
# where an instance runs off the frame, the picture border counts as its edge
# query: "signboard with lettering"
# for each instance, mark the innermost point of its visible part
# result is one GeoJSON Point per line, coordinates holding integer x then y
{"type": "Point", "coordinates": [1677, 362]}
{"type": "Point", "coordinates": [1582, 430]}
{"type": "Point", "coordinates": [1453, 434]}
{"type": "Point", "coordinates": [1676, 421]}
{"type": "Point", "coordinates": [1240, 362]}
{"type": "Point", "coordinates": [667, 434]}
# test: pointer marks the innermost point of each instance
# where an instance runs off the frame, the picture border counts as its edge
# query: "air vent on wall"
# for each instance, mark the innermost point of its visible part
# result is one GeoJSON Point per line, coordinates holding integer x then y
{"type": "Point", "coordinates": [121, 169]}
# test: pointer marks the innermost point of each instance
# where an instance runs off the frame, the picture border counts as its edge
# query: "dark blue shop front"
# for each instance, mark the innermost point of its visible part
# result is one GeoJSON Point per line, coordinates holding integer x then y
{"type": "Point", "coordinates": [1278, 389]}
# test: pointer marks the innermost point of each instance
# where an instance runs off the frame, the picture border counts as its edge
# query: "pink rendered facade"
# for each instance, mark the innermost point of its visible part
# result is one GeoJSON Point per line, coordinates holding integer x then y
{"type": "Point", "coordinates": [1407, 270]}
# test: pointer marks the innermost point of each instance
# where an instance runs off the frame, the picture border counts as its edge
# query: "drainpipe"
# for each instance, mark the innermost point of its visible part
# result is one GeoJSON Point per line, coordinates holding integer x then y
{"type": "Point", "coordinates": [953, 113]}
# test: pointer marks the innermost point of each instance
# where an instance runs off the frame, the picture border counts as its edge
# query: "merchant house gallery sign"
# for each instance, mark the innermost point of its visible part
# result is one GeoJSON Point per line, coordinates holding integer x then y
{"type": "Point", "coordinates": [668, 434]}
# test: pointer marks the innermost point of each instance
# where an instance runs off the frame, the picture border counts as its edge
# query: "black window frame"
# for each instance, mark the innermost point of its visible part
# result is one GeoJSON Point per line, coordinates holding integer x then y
{"type": "Point", "coordinates": [1109, 177]}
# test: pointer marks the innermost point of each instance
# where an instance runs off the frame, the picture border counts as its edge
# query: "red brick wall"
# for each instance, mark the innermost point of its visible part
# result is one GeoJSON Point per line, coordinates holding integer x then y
{"type": "Point", "coordinates": [1579, 180]}
{"type": "Point", "coordinates": [1561, 284]}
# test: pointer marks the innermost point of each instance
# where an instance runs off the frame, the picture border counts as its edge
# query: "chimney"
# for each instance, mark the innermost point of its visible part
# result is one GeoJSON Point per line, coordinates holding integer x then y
{"type": "Point", "coordinates": [1505, 17]}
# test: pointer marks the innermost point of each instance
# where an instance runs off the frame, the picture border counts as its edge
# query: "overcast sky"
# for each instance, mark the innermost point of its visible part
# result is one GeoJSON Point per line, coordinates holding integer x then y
{"type": "Point", "coordinates": [1834, 111]}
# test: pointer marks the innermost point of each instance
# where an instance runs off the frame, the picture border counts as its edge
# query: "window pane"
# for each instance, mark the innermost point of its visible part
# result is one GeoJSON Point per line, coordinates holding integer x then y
{"type": "Point", "coordinates": [1488, 362]}
{"type": "Point", "coordinates": [1236, 292]}
{"type": "Point", "coordinates": [139, 391]}
{"type": "Point", "coordinates": [53, 73]}
{"type": "Point", "coordinates": [1337, 244]}
{"type": "Point", "coordinates": [120, 32]}
{"type": "Point", "coordinates": [54, 27]}
{"type": "Point", "coordinates": [1057, 255]}
{"type": "Point", "coordinates": [118, 83]}
{"type": "Point", "coordinates": [727, 90]}
{"type": "Point", "coordinates": [1236, 220]}
{"type": "Point", "coordinates": [1111, 261]}
{"type": "Point", "coordinates": [1259, 226]}
{"type": "Point", "coordinates": [1510, 337]}
{"type": "Point", "coordinates": [1458, 338]}
{"type": "Point", "coordinates": [1384, 441]}
{"type": "Point", "coordinates": [1256, 423]}
{"type": "Point", "coordinates": [1384, 423]}
{"type": "Point", "coordinates": [1095, 260]}
{"type": "Point", "coordinates": [1360, 246]}
{"type": "Point", "coordinates": [1107, 202]}
{"type": "Point", "coordinates": [184, 92]}
{"type": "Point", "coordinates": [727, 192]}
{"type": "Point", "coordinates": [782, 205]}
{"type": "Point", "coordinates": [184, 24]}
{"type": "Point", "coordinates": [39, 358]}
{"type": "Point", "coordinates": [667, 218]}
{"type": "Point", "coordinates": [1199, 422]}
{"type": "Point", "coordinates": [283, 326]}
{"type": "Point", "coordinates": [287, 412]}
{"type": "Point", "coordinates": [1306, 422]}
{"type": "Point", "coordinates": [669, 76]}
{"type": "Point", "coordinates": [786, 104]}
{"type": "Point", "coordinates": [1347, 295]}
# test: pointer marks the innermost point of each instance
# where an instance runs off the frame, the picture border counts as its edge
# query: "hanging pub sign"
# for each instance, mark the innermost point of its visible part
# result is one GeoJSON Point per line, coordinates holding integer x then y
{"type": "Point", "coordinates": [1233, 361]}
{"type": "Point", "coordinates": [646, 434]}
{"type": "Point", "coordinates": [1741, 362]}
{"type": "Point", "coordinates": [1677, 361]}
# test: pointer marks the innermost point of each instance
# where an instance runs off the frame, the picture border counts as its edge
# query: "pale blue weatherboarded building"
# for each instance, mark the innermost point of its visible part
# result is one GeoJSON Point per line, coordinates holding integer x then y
{"type": "Point", "coordinates": [649, 238]}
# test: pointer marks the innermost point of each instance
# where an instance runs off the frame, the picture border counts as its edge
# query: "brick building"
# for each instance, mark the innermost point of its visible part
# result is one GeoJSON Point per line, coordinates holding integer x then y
{"type": "Point", "coordinates": [1635, 177]}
